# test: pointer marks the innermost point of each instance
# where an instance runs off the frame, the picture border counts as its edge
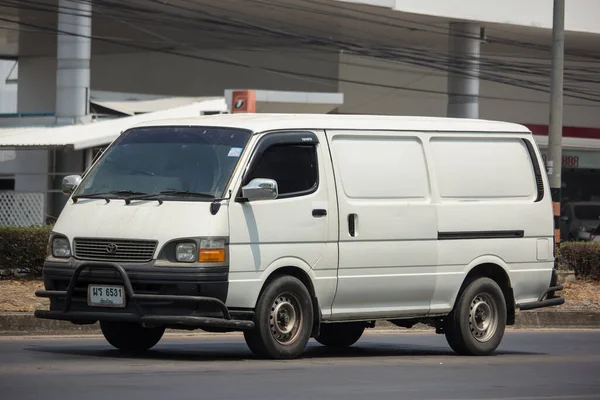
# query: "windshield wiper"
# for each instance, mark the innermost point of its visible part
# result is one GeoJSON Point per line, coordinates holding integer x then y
{"type": "Point", "coordinates": [158, 195]}
{"type": "Point", "coordinates": [214, 205]}
{"type": "Point", "coordinates": [104, 195]}
{"type": "Point", "coordinates": [187, 193]}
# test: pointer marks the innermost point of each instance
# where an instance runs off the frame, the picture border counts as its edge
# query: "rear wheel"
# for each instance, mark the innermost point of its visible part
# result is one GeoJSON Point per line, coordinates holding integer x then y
{"type": "Point", "coordinates": [341, 334]}
{"type": "Point", "coordinates": [283, 319]}
{"type": "Point", "coordinates": [477, 323]}
{"type": "Point", "coordinates": [130, 336]}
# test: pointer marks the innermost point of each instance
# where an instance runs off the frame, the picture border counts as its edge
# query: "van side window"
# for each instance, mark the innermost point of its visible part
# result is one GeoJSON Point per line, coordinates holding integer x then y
{"type": "Point", "coordinates": [483, 169]}
{"type": "Point", "coordinates": [293, 166]}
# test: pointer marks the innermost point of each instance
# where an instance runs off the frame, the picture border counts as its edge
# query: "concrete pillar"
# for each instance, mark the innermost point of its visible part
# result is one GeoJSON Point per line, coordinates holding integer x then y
{"type": "Point", "coordinates": [73, 53]}
{"type": "Point", "coordinates": [463, 70]}
{"type": "Point", "coordinates": [89, 158]}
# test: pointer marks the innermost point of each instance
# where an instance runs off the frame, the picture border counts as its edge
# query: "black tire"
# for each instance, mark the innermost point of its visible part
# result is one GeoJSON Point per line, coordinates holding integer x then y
{"type": "Point", "coordinates": [464, 327]}
{"type": "Point", "coordinates": [340, 335]}
{"type": "Point", "coordinates": [131, 337]}
{"type": "Point", "coordinates": [284, 296]}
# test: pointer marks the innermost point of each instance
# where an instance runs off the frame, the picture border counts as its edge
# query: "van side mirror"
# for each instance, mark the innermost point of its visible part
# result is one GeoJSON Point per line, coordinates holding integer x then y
{"type": "Point", "coordinates": [69, 183]}
{"type": "Point", "coordinates": [260, 189]}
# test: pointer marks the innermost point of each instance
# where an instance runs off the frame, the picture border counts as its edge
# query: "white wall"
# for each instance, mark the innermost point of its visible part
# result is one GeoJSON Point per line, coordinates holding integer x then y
{"type": "Point", "coordinates": [31, 171]}
{"type": "Point", "coordinates": [8, 90]}
{"type": "Point", "coordinates": [384, 100]}
{"type": "Point", "coordinates": [36, 93]}
{"type": "Point", "coordinates": [8, 104]}
{"type": "Point", "coordinates": [532, 109]}
{"type": "Point", "coordinates": [8, 162]}
{"type": "Point", "coordinates": [156, 73]}
{"type": "Point", "coordinates": [37, 84]}
{"type": "Point", "coordinates": [580, 15]}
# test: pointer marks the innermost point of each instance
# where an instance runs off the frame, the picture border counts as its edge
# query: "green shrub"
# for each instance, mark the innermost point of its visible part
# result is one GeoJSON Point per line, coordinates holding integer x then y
{"type": "Point", "coordinates": [581, 257]}
{"type": "Point", "coordinates": [23, 250]}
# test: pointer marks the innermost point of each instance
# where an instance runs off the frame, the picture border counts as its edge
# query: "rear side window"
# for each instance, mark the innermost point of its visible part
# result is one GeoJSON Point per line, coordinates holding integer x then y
{"type": "Point", "coordinates": [381, 167]}
{"type": "Point", "coordinates": [293, 166]}
{"type": "Point", "coordinates": [483, 169]}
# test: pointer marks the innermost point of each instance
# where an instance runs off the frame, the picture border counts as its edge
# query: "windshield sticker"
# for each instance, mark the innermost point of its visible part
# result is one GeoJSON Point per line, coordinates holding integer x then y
{"type": "Point", "coordinates": [235, 152]}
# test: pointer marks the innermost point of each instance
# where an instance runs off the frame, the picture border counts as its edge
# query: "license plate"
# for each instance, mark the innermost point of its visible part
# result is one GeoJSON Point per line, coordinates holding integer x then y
{"type": "Point", "coordinates": [106, 296]}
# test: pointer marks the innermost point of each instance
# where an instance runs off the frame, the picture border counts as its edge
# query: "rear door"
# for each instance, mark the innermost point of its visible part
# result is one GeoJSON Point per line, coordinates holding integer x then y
{"type": "Point", "coordinates": [387, 225]}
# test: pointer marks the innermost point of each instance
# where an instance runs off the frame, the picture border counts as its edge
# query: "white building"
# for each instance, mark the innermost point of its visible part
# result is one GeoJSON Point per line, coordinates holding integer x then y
{"type": "Point", "coordinates": [383, 56]}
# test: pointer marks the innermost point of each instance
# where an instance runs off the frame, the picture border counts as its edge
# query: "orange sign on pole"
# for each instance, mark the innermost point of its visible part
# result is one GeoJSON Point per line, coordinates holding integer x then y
{"type": "Point", "coordinates": [243, 101]}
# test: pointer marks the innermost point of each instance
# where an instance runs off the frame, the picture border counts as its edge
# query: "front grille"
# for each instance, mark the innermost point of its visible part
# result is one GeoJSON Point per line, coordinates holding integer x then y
{"type": "Point", "coordinates": [114, 250]}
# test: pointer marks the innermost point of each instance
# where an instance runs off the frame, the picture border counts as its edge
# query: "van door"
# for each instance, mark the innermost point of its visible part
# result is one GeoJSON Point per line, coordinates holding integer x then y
{"type": "Point", "coordinates": [297, 229]}
{"type": "Point", "coordinates": [388, 226]}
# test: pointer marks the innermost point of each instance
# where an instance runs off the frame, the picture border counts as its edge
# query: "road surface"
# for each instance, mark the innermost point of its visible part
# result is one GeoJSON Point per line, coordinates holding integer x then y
{"type": "Point", "coordinates": [528, 365]}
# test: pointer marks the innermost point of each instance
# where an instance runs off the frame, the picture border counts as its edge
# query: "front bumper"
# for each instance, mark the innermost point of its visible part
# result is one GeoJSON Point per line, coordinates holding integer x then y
{"type": "Point", "coordinates": [172, 310]}
{"type": "Point", "coordinates": [548, 298]}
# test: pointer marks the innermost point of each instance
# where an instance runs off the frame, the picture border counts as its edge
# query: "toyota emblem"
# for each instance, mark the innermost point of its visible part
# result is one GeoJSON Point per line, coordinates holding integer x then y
{"type": "Point", "coordinates": [111, 248]}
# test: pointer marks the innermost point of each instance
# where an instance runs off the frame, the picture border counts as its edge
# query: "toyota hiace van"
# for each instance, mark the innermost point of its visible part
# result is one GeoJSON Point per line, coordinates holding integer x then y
{"type": "Point", "coordinates": [292, 227]}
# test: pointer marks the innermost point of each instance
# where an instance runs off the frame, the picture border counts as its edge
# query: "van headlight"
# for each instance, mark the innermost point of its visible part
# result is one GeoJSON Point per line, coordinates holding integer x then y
{"type": "Point", "coordinates": [212, 251]}
{"type": "Point", "coordinates": [186, 252]}
{"type": "Point", "coordinates": [201, 250]}
{"type": "Point", "coordinates": [61, 247]}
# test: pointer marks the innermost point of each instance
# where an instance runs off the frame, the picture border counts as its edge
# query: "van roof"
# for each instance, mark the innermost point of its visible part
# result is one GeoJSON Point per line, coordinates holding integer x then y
{"type": "Point", "coordinates": [258, 122]}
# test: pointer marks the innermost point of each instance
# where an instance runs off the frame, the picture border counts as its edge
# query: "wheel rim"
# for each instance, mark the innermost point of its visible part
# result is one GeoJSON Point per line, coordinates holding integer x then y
{"type": "Point", "coordinates": [286, 318]}
{"type": "Point", "coordinates": [483, 317]}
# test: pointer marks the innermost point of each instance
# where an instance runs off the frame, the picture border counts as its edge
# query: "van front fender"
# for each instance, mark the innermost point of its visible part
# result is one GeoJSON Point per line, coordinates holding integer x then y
{"type": "Point", "coordinates": [244, 293]}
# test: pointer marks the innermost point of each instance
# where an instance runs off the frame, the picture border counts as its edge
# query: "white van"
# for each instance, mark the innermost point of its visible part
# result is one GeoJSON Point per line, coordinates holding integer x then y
{"type": "Point", "coordinates": [288, 227]}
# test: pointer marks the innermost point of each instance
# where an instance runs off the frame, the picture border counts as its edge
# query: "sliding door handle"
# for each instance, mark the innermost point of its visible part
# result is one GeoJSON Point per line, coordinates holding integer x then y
{"type": "Point", "coordinates": [319, 212]}
{"type": "Point", "coordinates": [352, 224]}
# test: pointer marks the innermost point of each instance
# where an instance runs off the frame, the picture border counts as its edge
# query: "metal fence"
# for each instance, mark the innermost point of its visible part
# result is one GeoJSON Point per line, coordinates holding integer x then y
{"type": "Point", "coordinates": [22, 208]}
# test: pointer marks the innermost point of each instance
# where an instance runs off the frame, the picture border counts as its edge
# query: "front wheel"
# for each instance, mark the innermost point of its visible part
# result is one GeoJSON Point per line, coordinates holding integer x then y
{"type": "Point", "coordinates": [283, 318]}
{"type": "Point", "coordinates": [476, 325]}
{"type": "Point", "coordinates": [131, 337]}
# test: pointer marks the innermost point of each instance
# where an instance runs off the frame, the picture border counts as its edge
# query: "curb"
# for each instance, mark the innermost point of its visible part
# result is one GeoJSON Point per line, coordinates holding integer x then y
{"type": "Point", "coordinates": [26, 324]}
{"type": "Point", "coordinates": [567, 319]}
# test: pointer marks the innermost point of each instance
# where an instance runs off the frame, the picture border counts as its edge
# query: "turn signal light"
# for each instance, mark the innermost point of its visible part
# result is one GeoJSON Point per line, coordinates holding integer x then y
{"type": "Point", "coordinates": [211, 255]}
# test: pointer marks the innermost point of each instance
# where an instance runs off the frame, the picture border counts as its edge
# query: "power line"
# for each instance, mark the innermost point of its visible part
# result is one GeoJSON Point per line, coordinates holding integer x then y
{"type": "Point", "coordinates": [406, 58]}
{"type": "Point", "coordinates": [494, 64]}
{"type": "Point", "coordinates": [387, 54]}
{"type": "Point", "coordinates": [272, 70]}
{"type": "Point", "coordinates": [429, 63]}
{"type": "Point", "coordinates": [443, 31]}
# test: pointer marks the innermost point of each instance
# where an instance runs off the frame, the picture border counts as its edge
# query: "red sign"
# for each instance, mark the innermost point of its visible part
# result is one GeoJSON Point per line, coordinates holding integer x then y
{"type": "Point", "coordinates": [243, 101]}
{"type": "Point", "coordinates": [567, 131]}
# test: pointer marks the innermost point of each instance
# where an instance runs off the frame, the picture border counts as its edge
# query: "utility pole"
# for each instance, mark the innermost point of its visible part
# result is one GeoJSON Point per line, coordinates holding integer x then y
{"type": "Point", "coordinates": [556, 111]}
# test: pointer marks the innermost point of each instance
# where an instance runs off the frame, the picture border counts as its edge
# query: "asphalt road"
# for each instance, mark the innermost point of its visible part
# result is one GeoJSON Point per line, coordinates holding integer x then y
{"type": "Point", "coordinates": [528, 365]}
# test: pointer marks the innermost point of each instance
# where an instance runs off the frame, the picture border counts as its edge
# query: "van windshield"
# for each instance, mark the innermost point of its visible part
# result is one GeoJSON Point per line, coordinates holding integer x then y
{"type": "Point", "coordinates": [177, 161]}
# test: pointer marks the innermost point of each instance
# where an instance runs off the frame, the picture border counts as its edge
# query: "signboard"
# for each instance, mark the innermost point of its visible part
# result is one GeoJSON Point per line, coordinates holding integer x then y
{"type": "Point", "coordinates": [243, 101]}
{"type": "Point", "coordinates": [577, 159]}
{"type": "Point", "coordinates": [567, 161]}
